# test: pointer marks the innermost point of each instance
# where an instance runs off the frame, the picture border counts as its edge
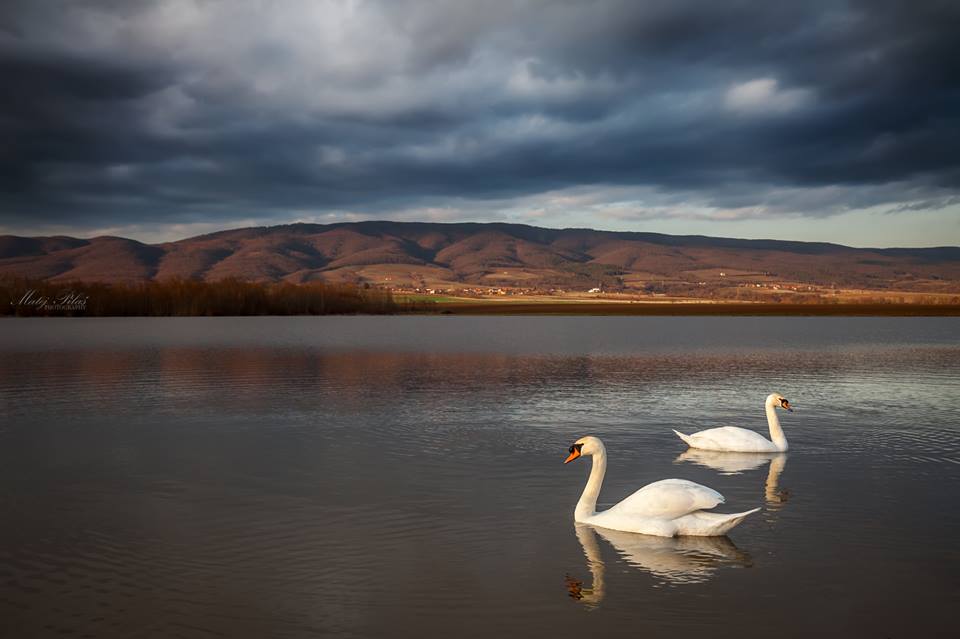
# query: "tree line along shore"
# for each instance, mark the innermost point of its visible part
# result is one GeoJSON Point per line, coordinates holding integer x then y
{"type": "Point", "coordinates": [182, 297]}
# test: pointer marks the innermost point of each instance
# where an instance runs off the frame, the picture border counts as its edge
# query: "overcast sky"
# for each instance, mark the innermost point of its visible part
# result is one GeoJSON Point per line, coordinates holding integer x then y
{"type": "Point", "coordinates": [834, 121]}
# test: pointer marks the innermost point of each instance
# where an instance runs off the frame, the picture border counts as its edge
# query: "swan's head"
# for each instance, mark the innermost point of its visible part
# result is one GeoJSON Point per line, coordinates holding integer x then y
{"type": "Point", "coordinates": [584, 446]}
{"type": "Point", "coordinates": [776, 399]}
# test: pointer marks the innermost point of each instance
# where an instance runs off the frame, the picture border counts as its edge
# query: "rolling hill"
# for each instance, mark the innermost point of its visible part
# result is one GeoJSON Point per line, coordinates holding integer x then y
{"type": "Point", "coordinates": [439, 255]}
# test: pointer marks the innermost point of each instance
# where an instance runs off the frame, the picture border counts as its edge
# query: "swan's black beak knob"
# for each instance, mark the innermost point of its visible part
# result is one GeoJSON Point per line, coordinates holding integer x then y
{"type": "Point", "coordinates": [574, 453]}
{"type": "Point", "coordinates": [786, 405]}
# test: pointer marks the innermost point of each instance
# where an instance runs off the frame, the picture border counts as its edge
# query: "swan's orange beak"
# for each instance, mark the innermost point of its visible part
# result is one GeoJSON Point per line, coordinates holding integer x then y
{"type": "Point", "coordinates": [574, 453]}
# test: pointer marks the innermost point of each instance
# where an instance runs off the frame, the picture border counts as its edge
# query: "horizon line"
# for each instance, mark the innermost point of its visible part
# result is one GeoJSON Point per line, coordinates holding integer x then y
{"type": "Point", "coordinates": [98, 235]}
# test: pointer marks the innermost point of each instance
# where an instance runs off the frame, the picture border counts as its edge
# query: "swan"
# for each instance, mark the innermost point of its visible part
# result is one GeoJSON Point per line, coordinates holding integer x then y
{"type": "Point", "coordinates": [665, 508]}
{"type": "Point", "coordinates": [740, 440]}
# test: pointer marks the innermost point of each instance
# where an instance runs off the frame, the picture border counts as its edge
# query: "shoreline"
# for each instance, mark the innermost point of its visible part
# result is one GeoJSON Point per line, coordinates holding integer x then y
{"type": "Point", "coordinates": [584, 309]}
{"type": "Point", "coordinates": [689, 309]}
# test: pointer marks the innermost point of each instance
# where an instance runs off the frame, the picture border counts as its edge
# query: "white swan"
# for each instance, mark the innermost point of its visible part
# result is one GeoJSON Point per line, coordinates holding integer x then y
{"type": "Point", "coordinates": [665, 508]}
{"type": "Point", "coordinates": [740, 440]}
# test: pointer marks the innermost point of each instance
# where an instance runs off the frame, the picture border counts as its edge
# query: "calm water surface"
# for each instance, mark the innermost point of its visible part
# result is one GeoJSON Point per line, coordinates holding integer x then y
{"type": "Point", "coordinates": [402, 476]}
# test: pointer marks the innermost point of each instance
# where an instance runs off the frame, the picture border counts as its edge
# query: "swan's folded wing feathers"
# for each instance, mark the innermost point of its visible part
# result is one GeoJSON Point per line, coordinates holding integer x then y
{"type": "Point", "coordinates": [668, 499]}
{"type": "Point", "coordinates": [730, 438]}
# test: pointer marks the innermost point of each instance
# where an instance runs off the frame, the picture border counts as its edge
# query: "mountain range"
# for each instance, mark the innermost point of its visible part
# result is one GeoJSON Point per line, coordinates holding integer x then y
{"type": "Point", "coordinates": [415, 254]}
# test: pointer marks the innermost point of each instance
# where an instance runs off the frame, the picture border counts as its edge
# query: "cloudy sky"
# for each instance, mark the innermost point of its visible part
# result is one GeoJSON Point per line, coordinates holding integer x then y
{"type": "Point", "coordinates": [835, 121]}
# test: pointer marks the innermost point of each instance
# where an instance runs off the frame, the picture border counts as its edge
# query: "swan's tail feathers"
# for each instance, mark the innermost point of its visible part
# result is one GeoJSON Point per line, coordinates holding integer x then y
{"type": "Point", "coordinates": [704, 524]}
{"type": "Point", "coordinates": [685, 438]}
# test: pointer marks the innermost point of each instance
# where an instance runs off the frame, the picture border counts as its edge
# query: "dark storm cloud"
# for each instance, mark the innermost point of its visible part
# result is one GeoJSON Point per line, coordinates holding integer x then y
{"type": "Point", "coordinates": [121, 112]}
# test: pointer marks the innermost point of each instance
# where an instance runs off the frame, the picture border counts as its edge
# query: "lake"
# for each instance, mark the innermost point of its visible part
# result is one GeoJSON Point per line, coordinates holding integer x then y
{"type": "Point", "coordinates": [403, 476]}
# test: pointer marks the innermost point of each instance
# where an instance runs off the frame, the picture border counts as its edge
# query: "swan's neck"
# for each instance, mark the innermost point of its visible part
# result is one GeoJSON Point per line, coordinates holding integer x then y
{"type": "Point", "coordinates": [776, 433]}
{"type": "Point", "coordinates": [587, 506]}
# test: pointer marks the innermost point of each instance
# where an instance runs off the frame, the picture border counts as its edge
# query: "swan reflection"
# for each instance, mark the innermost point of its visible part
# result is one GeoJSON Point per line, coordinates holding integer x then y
{"type": "Point", "coordinates": [674, 560]}
{"type": "Point", "coordinates": [735, 463]}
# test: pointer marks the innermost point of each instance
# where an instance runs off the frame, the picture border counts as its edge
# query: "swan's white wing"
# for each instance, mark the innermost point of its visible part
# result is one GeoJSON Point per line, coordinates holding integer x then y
{"type": "Point", "coordinates": [730, 438]}
{"type": "Point", "coordinates": [668, 499]}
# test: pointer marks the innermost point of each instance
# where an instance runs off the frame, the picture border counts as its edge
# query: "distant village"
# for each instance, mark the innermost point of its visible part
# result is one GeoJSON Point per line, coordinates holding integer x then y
{"type": "Point", "coordinates": [598, 291]}
{"type": "Point", "coordinates": [715, 286]}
